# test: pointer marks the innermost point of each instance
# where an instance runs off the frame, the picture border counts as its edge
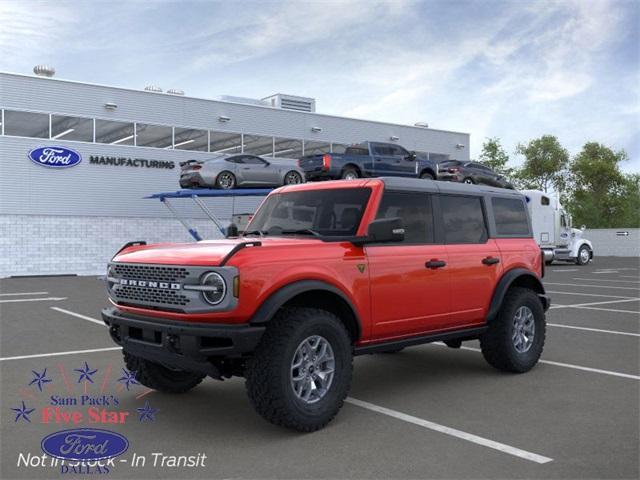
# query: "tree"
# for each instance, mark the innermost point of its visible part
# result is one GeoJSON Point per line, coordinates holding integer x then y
{"type": "Point", "coordinates": [601, 196]}
{"type": "Point", "coordinates": [495, 157]}
{"type": "Point", "coordinates": [545, 164]}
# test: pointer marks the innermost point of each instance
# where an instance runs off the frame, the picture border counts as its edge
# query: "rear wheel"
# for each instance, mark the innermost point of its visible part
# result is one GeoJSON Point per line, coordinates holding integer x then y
{"type": "Point", "coordinates": [292, 178]}
{"type": "Point", "coordinates": [427, 176]}
{"type": "Point", "coordinates": [514, 339]}
{"type": "Point", "coordinates": [300, 373]}
{"type": "Point", "coordinates": [226, 180]}
{"type": "Point", "coordinates": [584, 255]}
{"type": "Point", "coordinates": [350, 173]}
{"type": "Point", "coordinates": [160, 377]}
{"type": "Point", "coordinates": [468, 181]}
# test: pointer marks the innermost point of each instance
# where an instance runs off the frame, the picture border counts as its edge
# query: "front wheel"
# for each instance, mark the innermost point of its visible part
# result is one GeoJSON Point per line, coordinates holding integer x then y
{"type": "Point", "coordinates": [160, 377]}
{"type": "Point", "coordinates": [584, 255]}
{"type": "Point", "coordinates": [427, 176]}
{"type": "Point", "coordinates": [514, 339]}
{"type": "Point", "coordinates": [226, 180]}
{"type": "Point", "coordinates": [300, 373]}
{"type": "Point", "coordinates": [292, 178]}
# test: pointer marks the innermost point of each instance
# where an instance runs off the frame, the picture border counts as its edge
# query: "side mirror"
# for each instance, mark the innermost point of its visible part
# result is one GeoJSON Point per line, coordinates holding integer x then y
{"type": "Point", "coordinates": [411, 156]}
{"type": "Point", "coordinates": [583, 228]}
{"type": "Point", "coordinates": [232, 231]}
{"type": "Point", "coordinates": [383, 230]}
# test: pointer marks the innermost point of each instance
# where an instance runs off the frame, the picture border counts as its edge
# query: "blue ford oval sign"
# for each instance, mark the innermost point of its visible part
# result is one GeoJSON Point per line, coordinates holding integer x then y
{"type": "Point", "coordinates": [84, 444]}
{"type": "Point", "coordinates": [55, 157]}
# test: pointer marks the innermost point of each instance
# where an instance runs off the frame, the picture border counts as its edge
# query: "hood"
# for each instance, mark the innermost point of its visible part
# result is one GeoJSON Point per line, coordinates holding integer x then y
{"type": "Point", "coordinates": [205, 253]}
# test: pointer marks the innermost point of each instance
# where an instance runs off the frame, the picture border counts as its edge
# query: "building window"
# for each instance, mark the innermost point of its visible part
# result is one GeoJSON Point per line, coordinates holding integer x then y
{"type": "Point", "coordinates": [114, 133]}
{"type": "Point", "coordinates": [258, 145]}
{"type": "Point", "coordinates": [26, 124]}
{"type": "Point", "coordinates": [71, 128]}
{"type": "Point", "coordinates": [225, 143]}
{"type": "Point", "coordinates": [315, 148]}
{"type": "Point", "coordinates": [338, 147]}
{"type": "Point", "coordinates": [190, 139]}
{"type": "Point", "coordinates": [157, 136]}
{"type": "Point", "coordinates": [287, 148]}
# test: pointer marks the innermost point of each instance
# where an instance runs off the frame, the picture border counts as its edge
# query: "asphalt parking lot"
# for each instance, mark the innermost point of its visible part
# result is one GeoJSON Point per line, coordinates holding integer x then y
{"type": "Point", "coordinates": [427, 412]}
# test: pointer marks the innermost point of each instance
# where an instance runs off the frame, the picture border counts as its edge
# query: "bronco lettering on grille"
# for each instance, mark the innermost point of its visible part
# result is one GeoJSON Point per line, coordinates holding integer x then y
{"type": "Point", "coordinates": [150, 284]}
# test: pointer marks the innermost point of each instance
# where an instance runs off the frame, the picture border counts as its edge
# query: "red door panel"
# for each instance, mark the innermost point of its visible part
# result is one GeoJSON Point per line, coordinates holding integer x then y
{"type": "Point", "coordinates": [407, 297]}
{"type": "Point", "coordinates": [472, 281]}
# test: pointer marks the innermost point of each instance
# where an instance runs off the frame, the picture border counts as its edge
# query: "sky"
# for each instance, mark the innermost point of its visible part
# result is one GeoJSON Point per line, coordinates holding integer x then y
{"type": "Point", "coordinates": [509, 69]}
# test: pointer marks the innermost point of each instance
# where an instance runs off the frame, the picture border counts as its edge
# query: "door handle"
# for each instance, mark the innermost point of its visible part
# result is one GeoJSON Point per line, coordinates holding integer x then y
{"type": "Point", "coordinates": [433, 264]}
{"type": "Point", "coordinates": [490, 260]}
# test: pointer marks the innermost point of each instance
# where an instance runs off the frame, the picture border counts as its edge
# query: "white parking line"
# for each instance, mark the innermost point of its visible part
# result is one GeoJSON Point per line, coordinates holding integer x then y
{"type": "Point", "coordinates": [605, 272]}
{"type": "Point", "coordinates": [469, 437]}
{"type": "Point", "coordinates": [23, 293]}
{"type": "Point", "coordinates": [592, 286]}
{"type": "Point", "coordinates": [48, 299]}
{"type": "Point", "coordinates": [629, 276]}
{"type": "Point", "coordinates": [57, 354]}
{"type": "Point", "coordinates": [567, 365]}
{"type": "Point", "coordinates": [586, 294]}
{"type": "Point", "coordinates": [595, 303]}
{"type": "Point", "coordinates": [604, 280]}
{"type": "Point", "coordinates": [633, 312]}
{"type": "Point", "coordinates": [597, 330]}
{"type": "Point", "coordinates": [84, 317]}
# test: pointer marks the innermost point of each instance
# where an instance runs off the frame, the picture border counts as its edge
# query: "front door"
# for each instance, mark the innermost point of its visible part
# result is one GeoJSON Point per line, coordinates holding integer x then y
{"type": "Point", "coordinates": [410, 288]}
{"type": "Point", "coordinates": [256, 171]}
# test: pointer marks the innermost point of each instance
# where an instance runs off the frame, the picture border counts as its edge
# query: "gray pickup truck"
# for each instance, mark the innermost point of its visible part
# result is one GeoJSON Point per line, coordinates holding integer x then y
{"type": "Point", "coordinates": [368, 159]}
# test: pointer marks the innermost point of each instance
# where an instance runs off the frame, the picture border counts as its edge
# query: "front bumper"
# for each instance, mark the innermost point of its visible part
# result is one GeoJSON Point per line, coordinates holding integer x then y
{"type": "Point", "coordinates": [188, 346]}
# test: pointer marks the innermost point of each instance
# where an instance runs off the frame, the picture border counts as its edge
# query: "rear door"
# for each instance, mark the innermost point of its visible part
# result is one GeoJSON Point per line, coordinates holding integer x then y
{"type": "Point", "coordinates": [407, 296]}
{"type": "Point", "coordinates": [473, 257]}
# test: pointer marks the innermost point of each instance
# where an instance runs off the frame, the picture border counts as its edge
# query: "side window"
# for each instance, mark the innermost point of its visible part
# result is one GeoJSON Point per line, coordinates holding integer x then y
{"type": "Point", "coordinates": [463, 219]}
{"type": "Point", "coordinates": [399, 151]}
{"type": "Point", "coordinates": [235, 160]}
{"type": "Point", "coordinates": [251, 160]}
{"type": "Point", "coordinates": [415, 211]}
{"type": "Point", "coordinates": [544, 200]}
{"type": "Point", "coordinates": [511, 217]}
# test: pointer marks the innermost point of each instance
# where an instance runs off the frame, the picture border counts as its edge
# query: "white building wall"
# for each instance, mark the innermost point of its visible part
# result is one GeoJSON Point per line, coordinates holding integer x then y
{"type": "Point", "coordinates": [612, 241]}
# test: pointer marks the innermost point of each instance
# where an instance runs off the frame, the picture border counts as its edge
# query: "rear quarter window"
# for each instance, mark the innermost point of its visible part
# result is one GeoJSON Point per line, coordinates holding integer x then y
{"type": "Point", "coordinates": [511, 217]}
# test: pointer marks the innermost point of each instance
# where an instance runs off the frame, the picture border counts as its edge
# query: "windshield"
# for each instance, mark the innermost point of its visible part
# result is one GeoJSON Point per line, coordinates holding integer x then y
{"type": "Point", "coordinates": [329, 212]}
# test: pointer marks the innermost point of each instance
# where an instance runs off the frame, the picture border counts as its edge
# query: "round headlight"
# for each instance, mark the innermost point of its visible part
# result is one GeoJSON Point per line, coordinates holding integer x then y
{"type": "Point", "coordinates": [216, 288]}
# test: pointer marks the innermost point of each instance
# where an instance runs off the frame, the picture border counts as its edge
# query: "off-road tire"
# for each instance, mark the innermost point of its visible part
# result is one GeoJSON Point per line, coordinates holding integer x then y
{"type": "Point", "coordinates": [579, 260]}
{"type": "Point", "coordinates": [496, 343]}
{"type": "Point", "coordinates": [427, 176]}
{"type": "Point", "coordinates": [158, 377]}
{"type": "Point", "coordinates": [349, 171]}
{"type": "Point", "coordinates": [268, 373]}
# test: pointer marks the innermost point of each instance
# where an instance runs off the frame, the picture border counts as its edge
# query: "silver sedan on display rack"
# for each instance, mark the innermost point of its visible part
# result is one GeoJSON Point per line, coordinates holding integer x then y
{"type": "Point", "coordinates": [240, 170]}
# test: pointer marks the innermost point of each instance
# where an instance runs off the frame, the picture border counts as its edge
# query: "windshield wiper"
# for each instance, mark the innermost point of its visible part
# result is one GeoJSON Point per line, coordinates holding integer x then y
{"type": "Point", "coordinates": [301, 231]}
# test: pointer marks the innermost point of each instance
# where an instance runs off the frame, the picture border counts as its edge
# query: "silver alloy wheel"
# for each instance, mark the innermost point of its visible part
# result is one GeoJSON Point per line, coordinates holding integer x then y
{"type": "Point", "coordinates": [584, 255]}
{"type": "Point", "coordinates": [292, 178]}
{"type": "Point", "coordinates": [350, 175]}
{"type": "Point", "coordinates": [312, 369]}
{"type": "Point", "coordinates": [226, 181]}
{"type": "Point", "coordinates": [524, 329]}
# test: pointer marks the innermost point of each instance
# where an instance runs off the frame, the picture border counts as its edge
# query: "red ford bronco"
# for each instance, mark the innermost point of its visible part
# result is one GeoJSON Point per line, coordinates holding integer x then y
{"type": "Point", "coordinates": [326, 271]}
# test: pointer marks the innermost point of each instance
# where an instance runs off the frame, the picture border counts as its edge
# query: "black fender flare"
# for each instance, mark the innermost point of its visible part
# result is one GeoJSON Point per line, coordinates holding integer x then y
{"type": "Point", "coordinates": [276, 300]}
{"type": "Point", "coordinates": [507, 280]}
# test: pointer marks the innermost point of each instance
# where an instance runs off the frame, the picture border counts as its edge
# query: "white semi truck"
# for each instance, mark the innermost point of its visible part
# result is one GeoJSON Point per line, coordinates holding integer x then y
{"type": "Point", "coordinates": [553, 231]}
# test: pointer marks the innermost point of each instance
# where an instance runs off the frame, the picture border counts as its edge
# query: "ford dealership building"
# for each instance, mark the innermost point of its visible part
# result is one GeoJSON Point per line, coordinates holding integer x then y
{"type": "Point", "coordinates": [77, 160]}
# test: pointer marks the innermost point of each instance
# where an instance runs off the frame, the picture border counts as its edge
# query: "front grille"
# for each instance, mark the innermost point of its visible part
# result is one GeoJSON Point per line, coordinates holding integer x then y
{"type": "Point", "coordinates": [150, 272]}
{"type": "Point", "coordinates": [158, 296]}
